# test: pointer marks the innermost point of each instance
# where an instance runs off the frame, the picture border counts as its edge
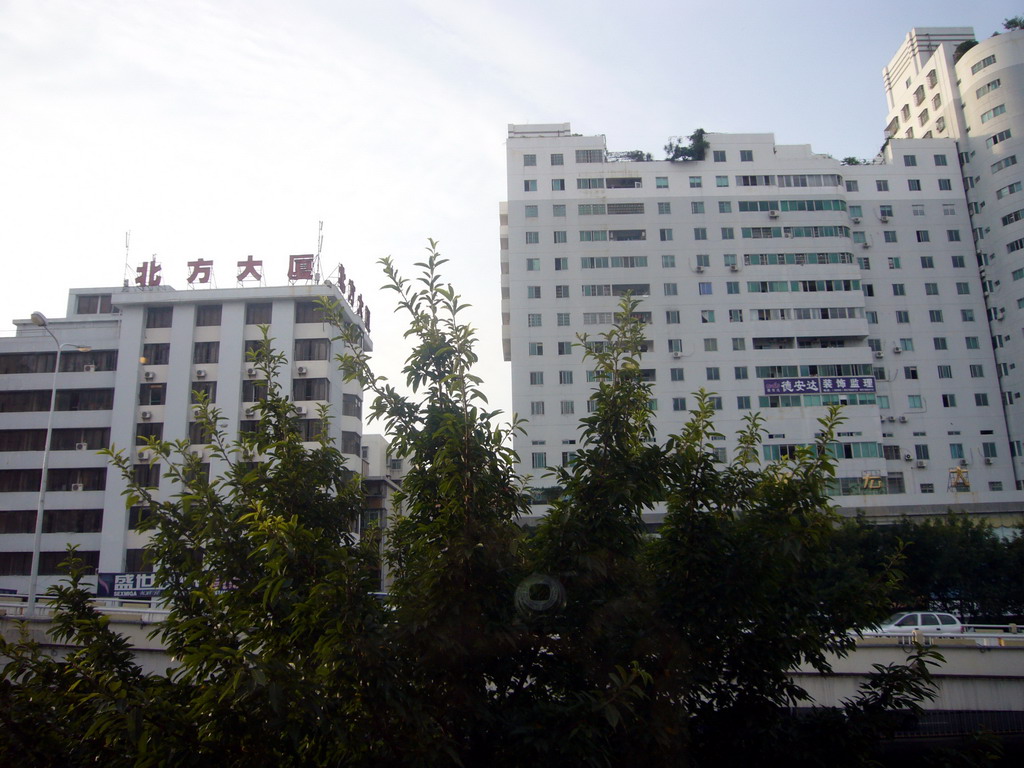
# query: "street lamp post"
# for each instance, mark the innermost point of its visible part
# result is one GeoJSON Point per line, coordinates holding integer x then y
{"type": "Point", "coordinates": [40, 319]}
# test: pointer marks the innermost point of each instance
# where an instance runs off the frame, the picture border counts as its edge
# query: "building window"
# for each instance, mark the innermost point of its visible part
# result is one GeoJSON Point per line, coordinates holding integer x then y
{"type": "Point", "coordinates": [945, 185]}
{"type": "Point", "coordinates": [536, 378]}
{"type": "Point", "coordinates": [311, 389]}
{"type": "Point", "coordinates": [530, 185]}
{"type": "Point", "coordinates": [533, 320]}
{"type": "Point", "coordinates": [972, 342]}
{"type": "Point", "coordinates": [561, 292]}
{"type": "Point", "coordinates": [949, 401]}
{"type": "Point", "coordinates": [561, 263]}
{"type": "Point", "coordinates": [678, 403]}
{"type": "Point", "coordinates": [156, 354]}
{"type": "Point", "coordinates": [152, 394]}
{"type": "Point", "coordinates": [661, 182]}
{"type": "Point", "coordinates": [902, 316]}
{"type": "Point", "coordinates": [539, 460]}
{"type": "Point", "coordinates": [664, 207]}
{"type": "Point", "coordinates": [671, 289]}
{"type": "Point", "coordinates": [531, 211]}
{"type": "Point", "coordinates": [533, 291]}
{"type": "Point", "coordinates": [945, 371]}
{"type": "Point", "coordinates": [704, 289]}
{"type": "Point", "coordinates": [710, 345]}
{"type": "Point", "coordinates": [699, 233]}
{"type": "Point", "coordinates": [967, 315]}
{"type": "Point", "coordinates": [980, 399]}
{"type": "Point", "coordinates": [977, 371]}
{"type": "Point", "coordinates": [923, 236]}
{"type": "Point", "coordinates": [914, 402]}
{"type": "Point", "coordinates": [558, 185]}
{"type": "Point", "coordinates": [712, 373]}
{"type": "Point", "coordinates": [899, 289]}
{"type": "Point", "coordinates": [676, 374]}
{"type": "Point", "coordinates": [939, 342]}
{"type": "Point", "coordinates": [852, 186]}
{"type": "Point", "coordinates": [910, 160]}
{"type": "Point", "coordinates": [537, 408]}
{"type": "Point", "coordinates": [746, 155]}
{"type": "Point", "coordinates": [536, 348]}
{"type": "Point", "coordinates": [208, 314]}
{"type": "Point", "coordinates": [206, 352]}
{"type": "Point", "coordinates": [529, 159]}
{"type": "Point", "coordinates": [159, 317]}
{"type": "Point", "coordinates": [672, 317]}
{"type": "Point", "coordinates": [695, 182]}
{"type": "Point", "coordinates": [882, 185]}
{"type": "Point", "coordinates": [557, 159]}
{"type": "Point", "coordinates": [568, 407]}
{"type": "Point", "coordinates": [707, 315]}
{"type": "Point", "coordinates": [259, 313]}
{"type": "Point", "coordinates": [665, 234]}
{"type": "Point", "coordinates": [735, 315]}
{"type": "Point", "coordinates": [718, 155]}
{"type": "Point", "coordinates": [914, 185]}
{"type": "Point", "coordinates": [958, 262]}
{"type": "Point", "coordinates": [558, 211]}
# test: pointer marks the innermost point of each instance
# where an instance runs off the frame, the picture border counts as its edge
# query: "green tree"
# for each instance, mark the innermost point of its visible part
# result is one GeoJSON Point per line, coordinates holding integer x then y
{"type": "Point", "coordinates": [590, 643]}
{"type": "Point", "coordinates": [1014, 22]}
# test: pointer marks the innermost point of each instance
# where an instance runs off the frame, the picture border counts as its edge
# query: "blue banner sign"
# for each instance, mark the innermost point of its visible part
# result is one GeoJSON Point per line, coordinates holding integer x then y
{"type": "Point", "coordinates": [820, 385]}
{"type": "Point", "coordinates": [127, 586]}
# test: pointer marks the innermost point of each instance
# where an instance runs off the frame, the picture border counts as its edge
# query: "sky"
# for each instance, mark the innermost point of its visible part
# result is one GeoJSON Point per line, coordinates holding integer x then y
{"type": "Point", "coordinates": [219, 130]}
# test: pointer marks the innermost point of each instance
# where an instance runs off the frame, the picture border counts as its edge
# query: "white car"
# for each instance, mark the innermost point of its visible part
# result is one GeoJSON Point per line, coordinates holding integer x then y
{"type": "Point", "coordinates": [931, 622]}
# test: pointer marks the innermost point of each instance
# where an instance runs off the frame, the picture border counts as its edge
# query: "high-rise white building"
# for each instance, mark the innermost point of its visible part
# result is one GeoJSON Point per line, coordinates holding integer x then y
{"type": "Point", "coordinates": [783, 281]}
{"type": "Point", "coordinates": [150, 350]}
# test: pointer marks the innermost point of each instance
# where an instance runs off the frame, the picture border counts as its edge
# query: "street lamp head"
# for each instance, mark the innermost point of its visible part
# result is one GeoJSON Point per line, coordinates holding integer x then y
{"type": "Point", "coordinates": [39, 319]}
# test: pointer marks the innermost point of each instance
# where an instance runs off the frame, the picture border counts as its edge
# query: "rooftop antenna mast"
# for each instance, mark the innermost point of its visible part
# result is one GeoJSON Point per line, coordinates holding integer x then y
{"type": "Point", "coordinates": [127, 251]}
{"type": "Point", "coordinates": [319, 248]}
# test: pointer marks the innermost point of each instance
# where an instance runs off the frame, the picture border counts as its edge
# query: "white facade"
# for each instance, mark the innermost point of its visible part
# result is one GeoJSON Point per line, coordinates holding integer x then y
{"type": "Point", "coordinates": [151, 348]}
{"type": "Point", "coordinates": [781, 281]}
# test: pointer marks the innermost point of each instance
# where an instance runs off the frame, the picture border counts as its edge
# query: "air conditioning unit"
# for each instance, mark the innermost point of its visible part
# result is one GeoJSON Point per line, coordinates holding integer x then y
{"type": "Point", "coordinates": [897, 350]}
{"type": "Point", "coordinates": [146, 415]}
{"type": "Point", "coordinates": [250, 411]}
{"type": "Point", "coordinates": [884, 219]}
{"type": "Point", "coordinates": [903, 419]}
{"type": "Point", "coordinates": [879, 355]}
{"type": "Point", "coordinates": [891, 419]}
{"type": "Point", "coordinates": [963, 462]}
{"type": "Point", "coordinates": [773, 214]}
{"type": "Point", "coordinates": [677, 355]}
{"type": "Point", "coordinates": [699, 268]}
{"type": "Point", "coordinates": [149, 375]}
{"type": "Point", "coordinates": [143, 454]}
{"type": "Point", "coordinates": [907, 457]}
{"type": "Point", "coordinates": [865, 244]}
{"type": "Point", "coordinates": [988, 459]}
{"type": "Point", "coordinates": [301, 370]}
{"type": "Point", "coordinates": [89, 368]}
{"type": "Point", "coordinates": [734, 268]}
{"type": "Point", "coordinates": [300, 409]}
{"type": "Point", "coordinates": [197, 452]}
{"type": "Point", "coordinates": [200, 373]}
{"type": "Point", "coordinates": [856, 219]}
{"type": "Point", "coordinates": [250, 372]}
{"type": "Point", "coordinates": [77, 487]}
{"type": "Point", "coordinates": [81, 446]}
{"type": "Point", "coordinates": [921, 464]}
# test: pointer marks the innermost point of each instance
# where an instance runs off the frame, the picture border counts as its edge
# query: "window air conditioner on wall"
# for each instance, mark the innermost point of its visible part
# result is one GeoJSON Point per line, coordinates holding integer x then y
{"type": "Point", "coordinates": [301, 370]}
{"type": "Point", "coordinates": [77, 487]}
{"type": "Point", "coordinates": [89, 368]}
{"type": "Point", "coordinates": [149, 375]}
{"type": "Point", "coordinates": [81, 446]}
{"type": "Point", "coordinates": [146, 415]}
{"type": "Point", "coordinates": [200, 373]}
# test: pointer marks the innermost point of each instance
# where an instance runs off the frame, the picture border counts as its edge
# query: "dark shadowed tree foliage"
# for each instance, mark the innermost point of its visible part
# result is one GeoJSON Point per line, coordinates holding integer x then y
{"type": "Point", "coordinates": [955, 564]}
{"type": "Point", "coordinates": [590, 643]}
